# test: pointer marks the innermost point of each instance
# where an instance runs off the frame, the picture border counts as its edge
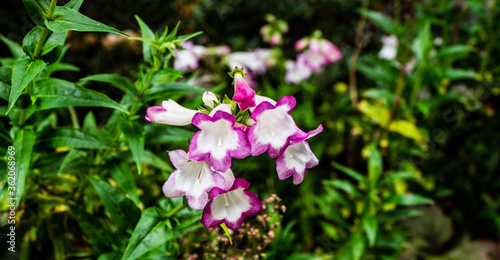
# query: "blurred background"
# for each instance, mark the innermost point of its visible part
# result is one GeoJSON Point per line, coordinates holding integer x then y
{"type": "Point", "coordinates": [422, 115]}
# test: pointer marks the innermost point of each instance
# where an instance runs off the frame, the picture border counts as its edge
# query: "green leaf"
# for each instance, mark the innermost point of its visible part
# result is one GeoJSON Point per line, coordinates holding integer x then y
{"type": "Point", "coordinates": [160, 89]}
{"type": "Point", "coordinates": [118, 81]}
{"type": "Point", "coordinates": [398, 214]}
{"type": "Point", "coordinates": [23, 72]}
{"type": "Point", "coordinates": [354, 174]}
{"type": "Point", "coordinates": [14, 47]}
{"type": "Point", "coordinates": [68, 137]}
{"type": "Point", "coordinates": [135, 136]}
{"type": "Point", "coordinates": [454, 50]}
{"type": "Point", "coordinates": [155, 161]}
{"type": "Point", "coordinates": [375, 111]}
{"type": "Point", "coordinates": [150, 232]}
{"type": "Point", "coordinates": [382, 20]}
{"type": "Point", "coordinates": [345, 186]}
{"type": "Point", "coordinates": [123, 176]}
{"type": "Point", "coordinates": [397, 176]}
{"type": "Point", "coordinates": [157, 133]}
{"type": "Point", "coordinates": [24, 139]}
{"type": "Point", "coordinates": [408, 200]}
{"type": "Point", "coordinates": [37, 10]}
{"type": "Point", "coordinates": [375, 166]}
{"type": "Point", "coordinates": [147, 33]}
{"type": "Point", "coordinates": [54, 93]}
{"type": "Point", "coordinates": [67, 19]}
{"type": "Point", "coordinates": [407, 129]}
{"type": "Point", "coordinates": [122, 210]}
{"type": "Point", "coordinates": [357, 247]}
{"type": "Point", "coordinates": [71, 156]}
{"type": "Point", "coordinates": [59, 66]}
{"type": "Point", "coordinates": [4, 91]}
{"type": "Point", "coordinates": [370, 226]}
{"type": "Point", "coordinates": [460, 74]}
{"type": "Point", "coordinates": [74, 4]}
{"type": "Point", "coordinates": [100, 238]}
{"type": "Point", "coordinates": [422, 43]}
{"type": "Point", "coordinates": [89, 122]}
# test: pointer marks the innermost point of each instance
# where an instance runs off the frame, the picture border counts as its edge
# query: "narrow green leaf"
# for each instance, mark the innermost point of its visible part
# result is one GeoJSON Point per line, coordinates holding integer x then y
{"type": "Point", "coordinates": [157, 133]}
{"type": "Point", "coordinates": [357, 247]}
{"type": "Point", "coordinates": [118, 81]}
{"type": "Point", "coordinates": [4, 91]}
{"type": "Point", "coordinates": [150, 232]}
{"type": "Point", "coordinates": [135, 136]}
{"type": "Point", "coordinates": [100, 238]}
{"type": "Point", "coordinates": [24, 139]}
{"type": "Point", "coordinates": [454, 50]}
{"type": "Point", "coordinates": [226, 230]}
{"type": "Point", "coordinates": [122, 210]}
{"type": "Point", "coordinates": [14, 47]}
{"type": "Point", "coordinates": [374, 165]}
{"type": "Point", "coordinates": [37, 10]}
{"type": "Point", "coordinates": [71, 156]}
{"type": "Point", "coordinates": [123, 176]}
{"type": "Point", "coordinates": [160, 89]}
{"type": "Point", "coordinates": [397, 176]}
{"type": "Point", "coordinates": [186, 37]}
{"type": "Point", "coordinates": [398, 214]}
{"type": "Point", "coordinates": [74, 4]}
{"type": "Point", "coordinates": [67, 19]}
{"type": "Point", "coordinates": [460, 74]}
{"type": "Point", "coordinates": [55, 93]}
{"type": "Point", "coordinates": [155, 161]}
{"type": "Point", "coordinates": [147, 33]}
{"type": "Point", "coordinates": [59, 66]}
{"type": "Point", "coordinates": [89, 122]}
{"type": "Point", "coordinates": [370, 226]}
{"type": "Point", "coordinates": [408, 200]}
{"type": "Point", "coordinates": [68, 137]}
{"type": "Point", "coordinates": [422, 43]}
{"type": "Point", "coordinates": [23, 72]}
{"type": "Point", "coordinates": [345, 186]}
{"type": "Point", "coordinates": [382, 20]}
{"type": "Point", "coordinates": [354, 174]}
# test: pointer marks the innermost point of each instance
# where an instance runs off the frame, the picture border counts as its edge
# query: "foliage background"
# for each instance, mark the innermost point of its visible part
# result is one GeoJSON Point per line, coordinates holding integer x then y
{"type": "Point", "coordinates": [454, 157]}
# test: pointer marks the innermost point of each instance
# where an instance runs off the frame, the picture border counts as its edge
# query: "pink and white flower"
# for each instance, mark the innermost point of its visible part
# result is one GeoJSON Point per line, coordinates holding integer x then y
{"type": "Point", "coordinates": [321, 52]}
{"type": "Point", "coordinates": [209, 99]}
{"type": "Point", "coordinates": [297, 71]}
{"type": "Point", "coordinates": [170, 113]}
{"type": "Point", "coordinates": [188, 58]}
{"type": "Point", "coordinates": [191, 179]}
{"type": "Point", "coordinates": [254, 61]}
{"type": "Point", "coordinates": [218, 140]}
{"type": "Point", "coordinates": [297, 158]}
{"type": "Point", "coordinates": [230, 207]}
{"type": "Point", "coordinates": [389, 49]}
{"type": "Point", "coordinates": [243, 93]}
{"type": "Point", "coordinates": [274, 128]}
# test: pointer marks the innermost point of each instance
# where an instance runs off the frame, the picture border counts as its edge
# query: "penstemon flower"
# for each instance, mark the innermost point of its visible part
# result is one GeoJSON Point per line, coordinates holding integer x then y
{"type": "Point", "coordinates": [204, 174]}
{"type": "Point", "coordinates": [274, 127]}
{"type": "Point", "coordinates": [244, 95]}
{"type": "Point", "coordinates": [297, 71]}
{"type": "Point", "coordinates": [230, 207]}
{"type": "Point", "coordinates": [170, 113]}
{"type": "Point", "coordinates": [296, 158]}
{"type": "Point", "coordinates": [218, 140]}
{"type": "Point", "coordinates": [192, 179]}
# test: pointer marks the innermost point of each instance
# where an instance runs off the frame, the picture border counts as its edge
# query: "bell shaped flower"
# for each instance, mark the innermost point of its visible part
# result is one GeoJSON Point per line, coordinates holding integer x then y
{"type": "Point", "coordinates": [274, 128]}
{"type": "Point", "coordinates": [297, 71]}
{"type": "Point", "coordinates": [230, 207]}
{"type": "Point", "coordinates": [296, 158]}
{"type": "Point", "coordinates": [320, 53]}
{"type": "Point", "coordinates": [191, 179]}
{"type": "Point", "coordinates": [218, 140]}
{"type": "Point", "coordinates": [170, 113]}
{"type": "Point", "coordinates": [389, 49]}
{"type": "Point", "coordinates": [244, 95]}
{"type": "Point", "coordinates": [209, 99]}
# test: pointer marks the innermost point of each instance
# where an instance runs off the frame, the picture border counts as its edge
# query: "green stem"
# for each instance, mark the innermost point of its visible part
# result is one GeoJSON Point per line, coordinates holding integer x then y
{"type": "Point", "coordinates": [175, 210]}
{"type": "Point", "coordinates": [45, 30]}
{"type": "Point", "coordinates": [74, 117]}
{"type": "Point", "coordinates": [41, 41]}
{"type": "Point", "coordinates": [22, 117]}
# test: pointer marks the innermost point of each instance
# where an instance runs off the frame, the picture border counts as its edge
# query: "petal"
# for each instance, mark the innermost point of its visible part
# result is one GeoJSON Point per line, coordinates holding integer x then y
{"type": "Point", "coordinates": [178, 158]}
{"type": "Point", "coordinates": [230, 207]}
{"type": "Point", "coordinates": [170, 113]}
{"type": "Point", "coordinates": [294, 161]}
{"type": "Point", "coordinates": [169, 188]}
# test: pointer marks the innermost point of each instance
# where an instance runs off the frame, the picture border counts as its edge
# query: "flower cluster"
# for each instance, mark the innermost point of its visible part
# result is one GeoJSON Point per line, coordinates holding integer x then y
{"type": "Point", "coordinates": [188, 58]}
{"type": "Point", "coordinates": [273, 31]}
{"type": "Point", "coordinates": [204, 172]}
{"type": "Point", "coordinates": [318, 52]}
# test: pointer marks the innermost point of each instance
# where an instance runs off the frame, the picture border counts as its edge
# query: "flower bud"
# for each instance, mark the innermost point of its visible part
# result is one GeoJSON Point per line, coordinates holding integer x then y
{"type": "Point", "coordinates": [209, 99]}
